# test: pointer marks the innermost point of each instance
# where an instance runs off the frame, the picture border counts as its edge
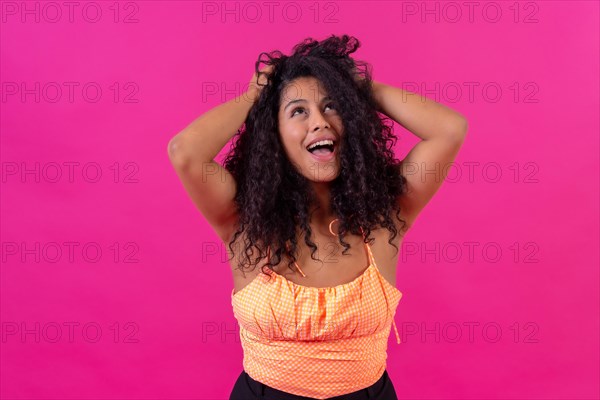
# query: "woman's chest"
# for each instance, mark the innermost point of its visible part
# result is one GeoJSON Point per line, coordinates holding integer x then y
{"type": "Point", "coordinates": [329, 265]}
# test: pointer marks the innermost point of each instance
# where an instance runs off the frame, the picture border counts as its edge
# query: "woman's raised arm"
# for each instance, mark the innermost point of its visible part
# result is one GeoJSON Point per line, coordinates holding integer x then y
{"type": "Point", "coordinates": [192, 151]}
{"type": "Point", "coordinates": [442, 131]}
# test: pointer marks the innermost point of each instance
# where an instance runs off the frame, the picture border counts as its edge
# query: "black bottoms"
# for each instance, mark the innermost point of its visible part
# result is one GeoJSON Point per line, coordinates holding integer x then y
{"type": "Point", "coordinates": [246, 388]}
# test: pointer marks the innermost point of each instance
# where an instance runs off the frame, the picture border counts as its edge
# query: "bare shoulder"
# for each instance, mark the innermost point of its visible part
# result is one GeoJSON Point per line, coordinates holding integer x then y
{"type": "Point", "coordinates": [382, 236]}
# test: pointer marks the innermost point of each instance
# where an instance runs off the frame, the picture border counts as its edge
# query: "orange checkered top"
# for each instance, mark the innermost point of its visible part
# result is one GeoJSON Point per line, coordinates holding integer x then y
{"type": "Point", "coordinates": [316, 342]}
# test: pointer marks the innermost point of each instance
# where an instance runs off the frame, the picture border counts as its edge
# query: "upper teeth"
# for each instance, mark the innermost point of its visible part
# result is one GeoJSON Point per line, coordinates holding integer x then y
{"type": "Point", "coordinates": [322, 142]}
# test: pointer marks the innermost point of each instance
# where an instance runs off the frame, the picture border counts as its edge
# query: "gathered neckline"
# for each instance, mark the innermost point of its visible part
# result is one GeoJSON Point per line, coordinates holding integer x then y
{"type": "Point", "coordinates": [320, 289]}
{"type": "Point", "coordinates": [327, 288]}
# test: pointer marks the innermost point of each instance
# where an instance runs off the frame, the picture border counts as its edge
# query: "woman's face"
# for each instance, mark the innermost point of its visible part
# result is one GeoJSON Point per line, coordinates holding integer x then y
{"type": "Point", "coordinates": [307, 115]}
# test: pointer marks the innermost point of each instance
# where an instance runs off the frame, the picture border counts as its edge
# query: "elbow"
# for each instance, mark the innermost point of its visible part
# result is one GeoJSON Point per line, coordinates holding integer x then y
{"type": "Point", "coordinates": [172, 148]}
{"type": "Point", "coordinates": [174, 151]}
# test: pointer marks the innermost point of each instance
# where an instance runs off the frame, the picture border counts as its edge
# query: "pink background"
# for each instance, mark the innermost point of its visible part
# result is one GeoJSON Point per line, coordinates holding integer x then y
{"type": "Point", "coordinates": [160, 288]}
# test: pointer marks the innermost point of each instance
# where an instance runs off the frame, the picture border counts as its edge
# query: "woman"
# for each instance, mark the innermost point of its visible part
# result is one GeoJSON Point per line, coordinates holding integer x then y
{"type": "Point", "coordinates": [313, 168]}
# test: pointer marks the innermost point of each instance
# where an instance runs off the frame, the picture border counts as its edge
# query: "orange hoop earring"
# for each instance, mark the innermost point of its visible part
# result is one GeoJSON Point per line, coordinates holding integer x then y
{"type": "Point", "coordinates": [330, 227]}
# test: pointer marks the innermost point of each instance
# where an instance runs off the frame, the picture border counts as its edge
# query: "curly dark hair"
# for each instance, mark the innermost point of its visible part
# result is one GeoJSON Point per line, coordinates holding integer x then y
{"type": "Point", "coordinates": [273, 199]}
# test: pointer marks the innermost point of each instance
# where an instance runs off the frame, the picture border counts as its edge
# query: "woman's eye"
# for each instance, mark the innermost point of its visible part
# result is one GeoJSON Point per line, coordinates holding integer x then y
{"type": "Point", "coordinates": [330, 105]}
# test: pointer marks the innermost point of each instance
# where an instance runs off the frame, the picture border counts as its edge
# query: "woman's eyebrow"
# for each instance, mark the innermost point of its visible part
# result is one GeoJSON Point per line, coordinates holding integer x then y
{"type": "Point", "coordinates": [326, 98]}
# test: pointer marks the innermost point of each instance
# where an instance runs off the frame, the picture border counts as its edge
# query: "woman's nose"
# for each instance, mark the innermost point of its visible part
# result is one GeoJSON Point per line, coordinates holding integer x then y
{"type": "Point", "coordinates": [318, 121]}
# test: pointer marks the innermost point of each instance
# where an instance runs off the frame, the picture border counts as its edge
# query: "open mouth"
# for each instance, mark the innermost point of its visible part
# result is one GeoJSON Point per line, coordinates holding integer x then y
{"type": "Point", "coordinates": [324, 150]}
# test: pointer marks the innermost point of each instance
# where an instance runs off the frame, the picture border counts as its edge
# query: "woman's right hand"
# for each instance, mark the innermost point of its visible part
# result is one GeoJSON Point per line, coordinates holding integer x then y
{"type": "Point", "coordinates": [256, 88]}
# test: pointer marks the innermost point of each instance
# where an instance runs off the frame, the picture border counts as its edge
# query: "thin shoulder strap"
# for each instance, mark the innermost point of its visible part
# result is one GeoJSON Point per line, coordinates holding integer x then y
{"type": "Point", "coordinates": [369, 252]}
{"type": "Point", "coordinates": [295, 263]}
{"type": "Point", "coordinates": [372, 262]}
